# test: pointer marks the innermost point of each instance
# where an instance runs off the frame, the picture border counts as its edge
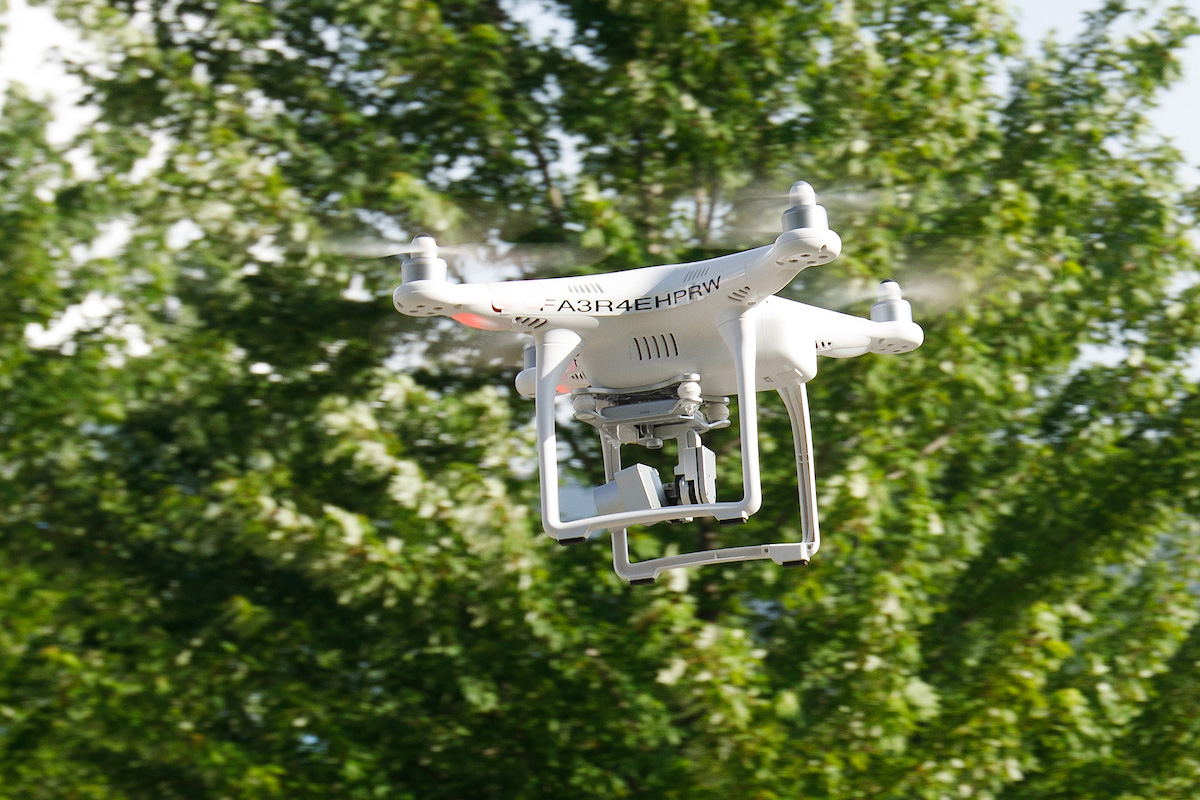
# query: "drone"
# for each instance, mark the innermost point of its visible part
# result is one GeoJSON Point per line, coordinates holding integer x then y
{"type": "Point", "coordinates": [654, 354]}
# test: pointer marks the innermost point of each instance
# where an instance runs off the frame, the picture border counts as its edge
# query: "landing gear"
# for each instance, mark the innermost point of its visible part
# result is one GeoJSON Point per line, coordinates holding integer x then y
{"type": "Point", "coordinates": [648, 415]}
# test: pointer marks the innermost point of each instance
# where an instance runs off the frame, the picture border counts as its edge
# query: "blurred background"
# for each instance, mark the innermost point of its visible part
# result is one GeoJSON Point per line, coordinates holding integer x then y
{"type": "Point", "coordinates": [261, 536]}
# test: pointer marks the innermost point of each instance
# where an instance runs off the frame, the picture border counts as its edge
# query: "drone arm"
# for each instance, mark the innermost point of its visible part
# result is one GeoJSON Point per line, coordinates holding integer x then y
{"type": "Point", "coordinates": [439, 298]}
{"type": "Point", "coordinates": [845, 336]}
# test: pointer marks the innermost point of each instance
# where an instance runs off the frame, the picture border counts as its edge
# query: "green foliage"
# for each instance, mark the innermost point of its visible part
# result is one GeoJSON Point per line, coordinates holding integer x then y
{"type": "Point", "coordinates": [249, 549]}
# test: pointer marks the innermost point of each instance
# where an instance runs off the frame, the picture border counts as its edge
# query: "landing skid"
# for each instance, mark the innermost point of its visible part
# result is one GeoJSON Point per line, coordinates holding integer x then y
{"type": "Point", "coordinates": [647, 416]}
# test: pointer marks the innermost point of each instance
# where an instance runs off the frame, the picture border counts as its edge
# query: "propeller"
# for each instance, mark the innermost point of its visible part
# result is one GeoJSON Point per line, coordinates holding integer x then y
{"type": "Point", "coordinates": [934, 293]}
{"type": "Point", "coordinates": [939, 271]}
{"type": "Point", "coordinates": [455, 346]}
{"type": "Point", "coordinates": [369, 248]}
{"type": "Point", "coordinates": [486, 261]}
{"type": "Point", "coordinates": [752, 215]}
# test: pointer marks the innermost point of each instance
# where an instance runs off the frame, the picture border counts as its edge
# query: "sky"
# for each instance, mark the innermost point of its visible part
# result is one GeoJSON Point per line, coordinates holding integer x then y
{"type": "Point", "coordinates": [33, 31]}
{"type": "Point", "coordinates": [29, 37]}
{"type": "Point", "coordinates": [1179, 114]}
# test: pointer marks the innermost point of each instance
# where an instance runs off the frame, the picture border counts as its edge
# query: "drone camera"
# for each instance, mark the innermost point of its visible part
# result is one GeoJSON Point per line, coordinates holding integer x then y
{"type": "Point", "coordinates": [635, 488]}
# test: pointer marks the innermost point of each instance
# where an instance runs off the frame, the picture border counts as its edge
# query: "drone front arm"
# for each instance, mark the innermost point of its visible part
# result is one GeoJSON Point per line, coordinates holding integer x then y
{"type": "Point", "coordinates": [793, 252]}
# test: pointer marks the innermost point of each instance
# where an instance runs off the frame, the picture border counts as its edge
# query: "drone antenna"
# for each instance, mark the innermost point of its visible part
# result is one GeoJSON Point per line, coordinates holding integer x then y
{"type": "Point", "coordinates": [804, 213]}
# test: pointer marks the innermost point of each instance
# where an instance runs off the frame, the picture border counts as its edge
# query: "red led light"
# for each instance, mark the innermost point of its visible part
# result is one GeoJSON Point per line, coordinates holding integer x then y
{"type": "Point", "coordinates": [478, 322]}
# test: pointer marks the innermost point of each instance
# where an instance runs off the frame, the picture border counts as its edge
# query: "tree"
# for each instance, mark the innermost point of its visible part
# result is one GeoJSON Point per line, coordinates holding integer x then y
{"type": "Point", "coordinates": [246, 557]}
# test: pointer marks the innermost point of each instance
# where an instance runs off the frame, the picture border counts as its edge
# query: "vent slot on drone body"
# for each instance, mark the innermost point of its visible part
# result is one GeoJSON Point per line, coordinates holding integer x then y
{"type": "Point", "coordinates": [740, 295]}
{"type": "Point", "coordinates": [660, 345]}
{"type": "Point", "coordinates": [696, 274]}
{"type": "Point", "coordinates": [582, 287]}
{"type": "Point", "coordinates": [532, 323]}
{"type": "Point", "coordinates": [823, 344]}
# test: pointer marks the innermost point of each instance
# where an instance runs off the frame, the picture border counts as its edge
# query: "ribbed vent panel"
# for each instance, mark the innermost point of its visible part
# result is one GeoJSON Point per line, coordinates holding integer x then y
{"type": "Point", "coordinates": [659, 345]}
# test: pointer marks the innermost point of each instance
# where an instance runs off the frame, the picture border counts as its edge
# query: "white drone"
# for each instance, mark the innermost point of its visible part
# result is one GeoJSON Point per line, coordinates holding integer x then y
{"type": "Point", "coordinates": [652, 354]}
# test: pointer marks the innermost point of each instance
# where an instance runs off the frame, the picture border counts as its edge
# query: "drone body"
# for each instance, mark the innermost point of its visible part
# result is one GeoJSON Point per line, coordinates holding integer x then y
{"type": "Point", "coordinates": [652, 354]}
